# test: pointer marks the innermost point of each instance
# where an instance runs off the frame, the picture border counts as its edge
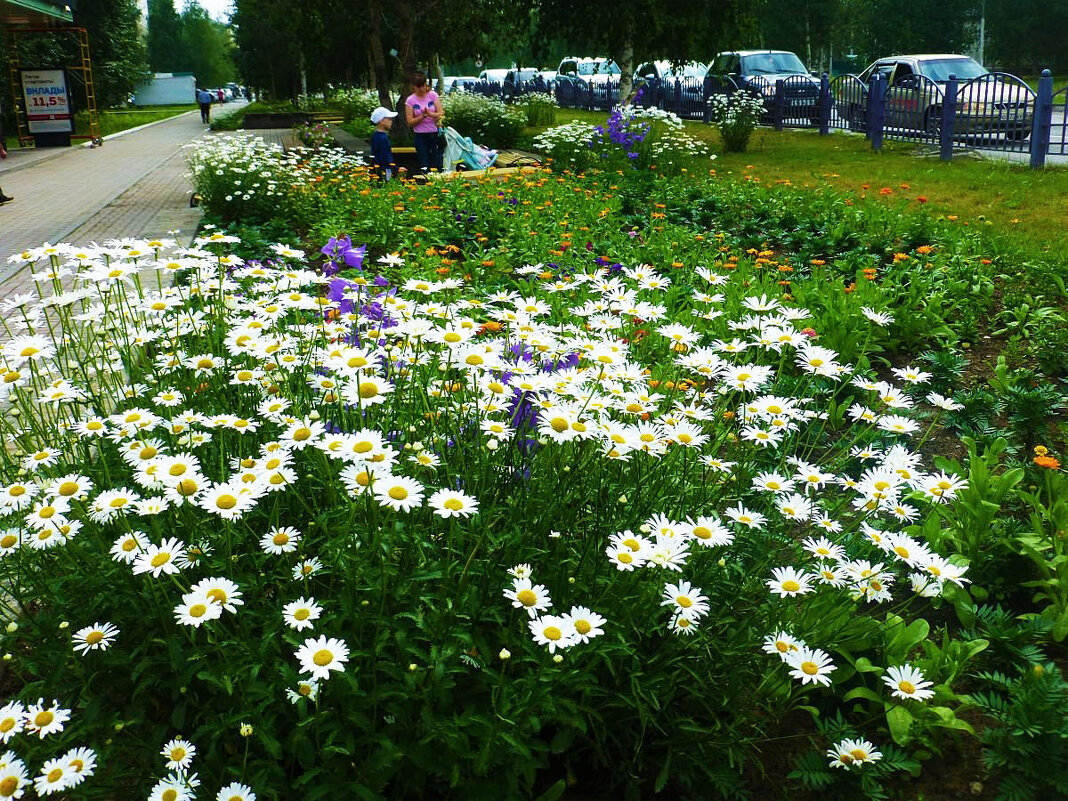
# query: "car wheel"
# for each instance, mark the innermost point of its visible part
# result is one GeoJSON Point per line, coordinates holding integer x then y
{"type": "Point", "coordinates": [856, 118]}
{"type": "Point", "coordinates": [1018, 134]}
{"type": "Point", "coordinates": [932, 122]}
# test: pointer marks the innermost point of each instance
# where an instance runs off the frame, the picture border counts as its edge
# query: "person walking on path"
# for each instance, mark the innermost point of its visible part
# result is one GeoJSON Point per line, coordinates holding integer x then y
{"type": "Point", "coordinates": [204, 98]}
{"type": "Point", "coordinates": [424, 111]}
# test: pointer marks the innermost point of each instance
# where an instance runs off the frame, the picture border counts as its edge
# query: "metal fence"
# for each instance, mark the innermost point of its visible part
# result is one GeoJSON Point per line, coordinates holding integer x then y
{"type": "Point", "coordinates": [996, 111]}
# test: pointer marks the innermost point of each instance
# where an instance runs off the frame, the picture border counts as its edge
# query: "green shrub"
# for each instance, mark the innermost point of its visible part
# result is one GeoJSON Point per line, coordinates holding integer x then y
{"type": "Point", "coordinates": [540, 108]}
{"type": "Point", "coordinates": [487, 121]}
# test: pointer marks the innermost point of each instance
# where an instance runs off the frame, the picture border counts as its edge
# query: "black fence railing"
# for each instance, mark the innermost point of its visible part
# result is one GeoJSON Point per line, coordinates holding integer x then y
{"type": "Point", "coordinates": [996, 111]}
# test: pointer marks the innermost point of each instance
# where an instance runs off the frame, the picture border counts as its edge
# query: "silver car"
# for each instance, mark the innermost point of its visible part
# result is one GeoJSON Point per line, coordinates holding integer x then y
{"type": "Point", "coordinates": [988, 104]}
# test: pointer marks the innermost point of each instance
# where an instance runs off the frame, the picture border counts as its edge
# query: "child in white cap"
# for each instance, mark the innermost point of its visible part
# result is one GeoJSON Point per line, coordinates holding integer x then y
{"type": "Point", "coordinates": [381, 147]}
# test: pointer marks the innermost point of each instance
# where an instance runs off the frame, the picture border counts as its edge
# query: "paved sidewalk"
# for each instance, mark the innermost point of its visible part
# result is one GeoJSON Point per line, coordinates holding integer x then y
{"type": "Point", "coordinates": [56, 197]}
{"type": "Point", "coordinates": [133, 185]}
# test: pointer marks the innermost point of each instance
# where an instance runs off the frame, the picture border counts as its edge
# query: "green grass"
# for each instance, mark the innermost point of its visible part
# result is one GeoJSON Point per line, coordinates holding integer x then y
{"type": "Point", "coordinates": [1026, 207]}
{"type": "Point", "coordinates": [116, 120]}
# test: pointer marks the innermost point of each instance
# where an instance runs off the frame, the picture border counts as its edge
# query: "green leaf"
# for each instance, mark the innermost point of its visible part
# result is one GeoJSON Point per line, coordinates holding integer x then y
{"type": "Point", "coordinates": [553, 792]}
{"type": "Point", "coordinates": [899, 720]}
{"type": "Point", "coordinates": [862, 692]}
{"type": "Point", "coordinates": [664, 774]}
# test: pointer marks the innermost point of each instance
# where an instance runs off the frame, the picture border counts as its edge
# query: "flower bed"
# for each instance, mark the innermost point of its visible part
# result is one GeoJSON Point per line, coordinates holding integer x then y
{"type": "Point", "coordinates": [544, 488]}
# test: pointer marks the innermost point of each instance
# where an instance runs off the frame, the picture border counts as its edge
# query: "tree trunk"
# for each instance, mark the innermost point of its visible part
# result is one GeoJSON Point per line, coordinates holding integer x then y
{"type": "Point", "coordinates": [405, 36]}
{"type": "Point", "coordinates": [437, 74]}
{"type": "Point", "coordinates": [377, 56]}
{"type": "Point", "coordinates": [626, 68]}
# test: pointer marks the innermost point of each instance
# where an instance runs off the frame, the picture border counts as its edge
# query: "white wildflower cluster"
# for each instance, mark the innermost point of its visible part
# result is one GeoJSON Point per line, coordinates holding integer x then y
{"type": "Point", "coordinates": [246, 170]}
{"type": "Point", "coordinates": [579, 625]}
{"type": "Point", "coordinates": [741, 107]}
{"type": "Point", "coordinates": [221, 398]}
{"type": "Point", "coordinates": [566, 137]}
{"type": "Point", "coordinates": [57, 774]}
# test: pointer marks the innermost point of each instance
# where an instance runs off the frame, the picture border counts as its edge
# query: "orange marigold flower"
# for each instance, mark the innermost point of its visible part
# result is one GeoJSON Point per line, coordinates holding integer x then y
{"type": "Point", "coordinates": [886, 190]}
{"type": "Point", "coordinates": [924, 250]}
{"type": "Point", "coordinates": [442, 271]}
{"type": "Point", "coordinates": [817, 262]}
{"type": "Point", "coordinates": [985, 261]}
{"type": "Point", "coordinates": [921, 198]}
{"type": "Point", "coordinates": [901, 257]}
{"type": "Point", "coordinates": [728, 415]}
{"type": "Point", "coordinates": [1048, 462]}
{"type": "Point", "coordinates": [952, 217]}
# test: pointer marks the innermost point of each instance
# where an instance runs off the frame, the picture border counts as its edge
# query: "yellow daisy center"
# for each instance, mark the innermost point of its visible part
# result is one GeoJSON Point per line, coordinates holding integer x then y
{"type": "Point", "coordinates": [527, 597]}
{"type": "Point", "coordinates": [160, 559]}
{"type": "Point", "coordinates": [323, 657]}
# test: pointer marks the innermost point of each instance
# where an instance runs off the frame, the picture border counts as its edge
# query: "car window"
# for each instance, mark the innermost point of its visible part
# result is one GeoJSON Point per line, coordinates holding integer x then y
{"type": "Point", "coordinates": [691, 69]}
{"type": "Point", "coordinates": [598, 68]}
{"type": "Point", "coordinates": [885, 68]}
{"type": "Point", "coordinates": [902, 73]}
{"type": "Point", "coordinates": [940, 69]}
{"type": "Point", "coordinates": [773, 64]}
{"type": "Point", "coordinates": [720, 65]}
{"type": "Point", "coordinates": [567, 67]}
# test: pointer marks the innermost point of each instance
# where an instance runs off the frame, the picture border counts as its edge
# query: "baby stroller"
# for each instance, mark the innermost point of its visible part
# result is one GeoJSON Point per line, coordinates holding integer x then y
{"type": "Point", "coordinates": [461, 152]}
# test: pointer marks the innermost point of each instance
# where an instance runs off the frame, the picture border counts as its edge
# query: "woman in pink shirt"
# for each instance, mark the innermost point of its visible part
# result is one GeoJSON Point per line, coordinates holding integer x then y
{"type": "Point", "coordinates": [424, 111]}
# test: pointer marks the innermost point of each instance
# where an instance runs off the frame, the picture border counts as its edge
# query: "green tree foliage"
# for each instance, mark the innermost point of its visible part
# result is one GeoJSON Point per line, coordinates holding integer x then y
{"type": "Point", "coordinates": [207, 46]}
{"type": "Point", "coordinates": [1027, 35]}
{"type": "Point", "coordinates": [632, 31]}
{"type": "Point", "coordinates": [120, 60]}
{"type": "Point", "coordinates": [807, 27]}
{"type": "Point", "coordinates": [916, 26]}
{"type": "Point", "coordinates": [166, 52]}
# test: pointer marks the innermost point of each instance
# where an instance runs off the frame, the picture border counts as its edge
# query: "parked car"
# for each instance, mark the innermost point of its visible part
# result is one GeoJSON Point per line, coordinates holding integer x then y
{"type": "Point", "coordinates": [757, 71]}
{"type": "Point", "coordinates": [457, 83]}
{"type": "Point", "coordinates": [515, 80]}
{"type": "Point", "coordinates": [665, 70]}
{"type": "Point", "coordinates": [915, 95]}
{"type": "Point", "coordinates": [660, 76]}
{"type": "Point", "coordinates": [493, 76]}
{"type": "Point", "coordinates": [573, 73]}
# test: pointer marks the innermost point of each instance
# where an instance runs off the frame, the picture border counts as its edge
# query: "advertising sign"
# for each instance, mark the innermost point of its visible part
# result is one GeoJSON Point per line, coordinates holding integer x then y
{"type": "Point", "coordinates": [47, 101]}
